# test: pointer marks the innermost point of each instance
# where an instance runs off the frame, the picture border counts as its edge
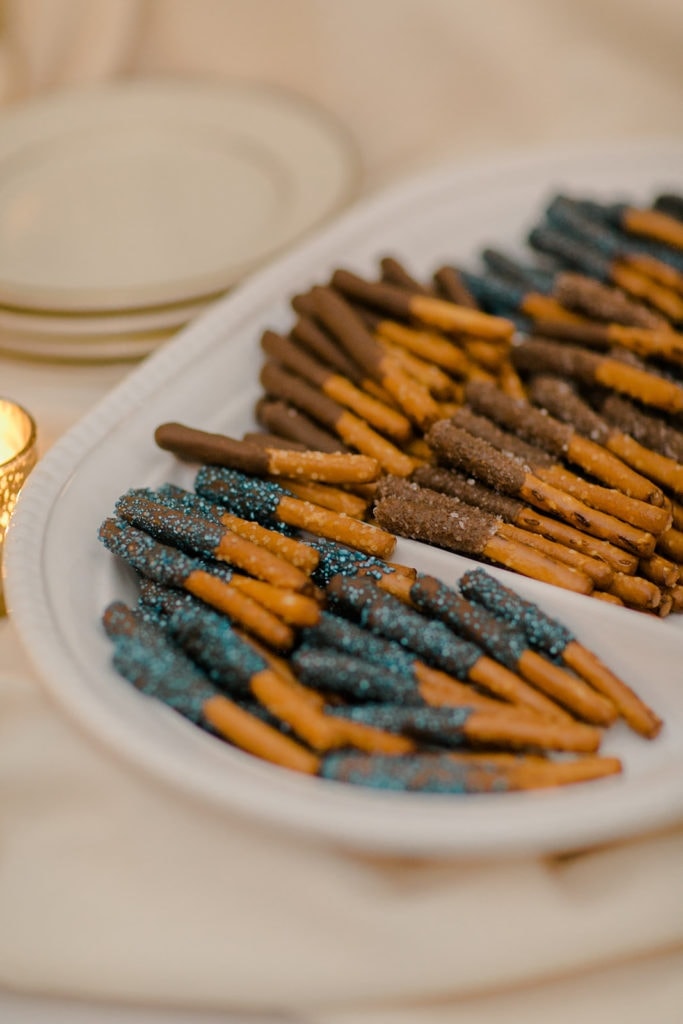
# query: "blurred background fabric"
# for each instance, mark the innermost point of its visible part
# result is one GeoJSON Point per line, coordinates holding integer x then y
{"type": "Point", "coordinates": [414, 80]}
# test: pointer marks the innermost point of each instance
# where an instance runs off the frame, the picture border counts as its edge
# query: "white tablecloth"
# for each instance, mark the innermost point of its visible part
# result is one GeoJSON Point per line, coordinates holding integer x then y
{"type": "Point", "coordinates": [113, 890]}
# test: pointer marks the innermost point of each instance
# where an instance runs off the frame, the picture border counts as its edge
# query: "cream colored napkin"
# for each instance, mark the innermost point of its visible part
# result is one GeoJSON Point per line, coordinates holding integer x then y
{"type": "Point", "coordinates": [113, 888]}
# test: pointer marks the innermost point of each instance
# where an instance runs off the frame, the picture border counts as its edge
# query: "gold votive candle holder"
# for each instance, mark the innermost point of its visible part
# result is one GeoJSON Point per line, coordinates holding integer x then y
{"type": "Point", "coordinates": [18, 456]}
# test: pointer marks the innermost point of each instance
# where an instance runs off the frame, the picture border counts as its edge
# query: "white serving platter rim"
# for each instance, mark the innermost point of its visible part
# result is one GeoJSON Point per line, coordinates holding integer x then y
{"type": "Point", "coordinates": [649, 795]}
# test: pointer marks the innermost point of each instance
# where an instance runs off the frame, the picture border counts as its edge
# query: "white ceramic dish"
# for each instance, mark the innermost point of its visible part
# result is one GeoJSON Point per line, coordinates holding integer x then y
{"type": "Point", "coordinates": [146, 192]}
{"type": "Point", "coordinates": [72, 326]}
{"type": "Point", "coordinates": [83, 349]}
{"type": "Point", "coordinates": [59, 577]}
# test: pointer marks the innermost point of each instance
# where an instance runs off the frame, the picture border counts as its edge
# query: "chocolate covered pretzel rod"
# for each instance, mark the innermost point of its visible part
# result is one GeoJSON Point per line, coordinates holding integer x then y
{"type": "Point", "coordinates": [463, 451]}
{"type": "Point", "coordinates": [266, 502]}
{"type": "Point", "coordinates": [438, 645]}
{"type": "Point", "coordinates": [423, 308]}
{"type": "Point", "coordinates": [292, 425]}
{"type": "Point", "coordinates": [342, 321]}
{"type": "Point", "coordinates": [217, 449]}
{"type": "Point", "coordinates": [556, 640]}
{"type": "Point", "coordinates": [337, 387]}
{"type": "Point", "coordinates": [432, 686]}
{"type": "Point", "coordinates": [646, 223]}
{"type": "Point", "coordinates": [172, 568]}
{"type": "Point", "coordinates": [541, 356]}
{"type": "Point", "coordinates": [562, 401]}
{"type": "Point", "coordinates": [602, 305]}
{"type": "Point", "coordinates": [561, 440]}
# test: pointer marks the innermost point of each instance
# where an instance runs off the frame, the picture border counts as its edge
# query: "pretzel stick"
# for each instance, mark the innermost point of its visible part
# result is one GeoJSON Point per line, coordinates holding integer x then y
{"type": "Point", "coordinates": [435, 312]}
{"type": "Point", "coordinates": [341, 320]}
{"type": "Point", "coordinates": [502, 294]}
{"type": "Point", "coordinates": [292, 425]}
{"type": "Point", "coordinates": [432, 377]}
{"type": "Point", "coordinates": [561, 400]}
{"type": "Point", "coordinates": [332, 498]}
{"type": "Point", "coordinates": [536, 356]}
{"type": "Point", "coordinates": [394, 272]}
{"type": "Point", "coordinates": [438, 645]}
{"type": "Point", "coordinates": [451, 286]}
{"type": "Point", "coordinates": [338, 388]}
{"type": "Point", "coordinates": [471, 455]}
{"type": "Point", "coordinates": [435, 687]}
{"type": "Point", "coordinates": [608, 305]}
{"type": "Point", "coordinates": [556, 640]}
{"type": "Point", "coordinates": [467, 489]}
{"type": "Point", "coordinates": [560, 439]}
{"type": "Point", "coordinates": [660, 570]}
{"type": "Point", "coordinates": [650, 224]}
{"type": "Point", "coordinates": [266, 502]}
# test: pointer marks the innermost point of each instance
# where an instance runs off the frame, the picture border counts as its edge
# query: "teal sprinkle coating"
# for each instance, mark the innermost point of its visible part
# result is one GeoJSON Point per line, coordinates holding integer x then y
{"type": "Point", "coordinates": [245, 496]}
{"type": "Point", "coordinates": [326, 669]}
{"type": "Point", "coordinates": [337, 559]}
{"type": "Point", "coordinates": [421, 773]}
{"type": "Point", "coordinates": [157, 561]}
{"type": "Point", "coordinates": [145, 656]}
{"type": "Point", "coordinates": [345, 636]}
{"type": "Point", "coordinates": [542, 632]}
{"type": "Point", "coordinates": [178, 527]}
{"type": "Point", "coordinates": [442, 726]}
{"type": "Point", "coordinates": [187, 501]}
{"type": "Point", "coordinates": [469, 620]}
{"type": "Point", "coordinates": [385, 614]}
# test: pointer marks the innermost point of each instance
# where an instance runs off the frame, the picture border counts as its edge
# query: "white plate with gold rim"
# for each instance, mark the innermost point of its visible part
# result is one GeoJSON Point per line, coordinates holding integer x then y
{"type": "Point", "coordinates": [145, 192]}
{"type": "Point", "coordinates": [60, 578]}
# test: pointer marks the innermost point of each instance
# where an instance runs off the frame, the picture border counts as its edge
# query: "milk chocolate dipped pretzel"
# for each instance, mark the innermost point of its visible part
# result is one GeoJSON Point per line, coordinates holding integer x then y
{"type": "Point", "coordinates": [556, 640]}
{"type": "Point", "coordinates": [353, 431]}
{"type": "Point", "coordinates": [463, 451]}
{"type": "Point", "coordinates": [560, 439]}
{"type": "Point", "coordinates": [440, 646]}
{"type": "Point", "coordinates": [267, 503]}
{"type": "Point", "coordinates": [435, 312]}
{"type": "Point", "coordinates": [337, 387]}
{"type": "Point", "coordinates": [217, 449]}
{"type": "Point", "coordinates": [602, 305]}
{"type": "Point", "coordinates": [562, 401]}
{"type": "Point", "coordinates": [541, 356]}
{"type": "Point", "coordinates": [291, 424]}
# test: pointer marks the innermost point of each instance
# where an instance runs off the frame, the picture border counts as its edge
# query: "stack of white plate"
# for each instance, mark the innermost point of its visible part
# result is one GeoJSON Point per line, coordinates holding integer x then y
{"type": "Point", "coordinates": [126, 209]}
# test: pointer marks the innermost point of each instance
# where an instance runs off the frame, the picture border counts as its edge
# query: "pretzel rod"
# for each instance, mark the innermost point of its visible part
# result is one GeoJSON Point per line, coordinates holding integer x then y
{"type": "Point", "coordinates": [428, 345]}
{"type": "Point", "coordinates": [649, 224]}
{"type": "Point", "coordinates": [343, 322]}
{"type": "Point", "coordinates": [558, 438]}
{"type": "Point", "coordinates": [284, 419]}
{"type": "Point", "coordinates": [338, 388]}
{"type": "Point", "coordinates": [172, 568]}
{"type": "Point", "coordinates": [597, 570]}
{"type": "Point", "coordinates": [661, 571]}
{"type": "Point", "coordinates": [333, 498]}
{"type": "Point", "coordinates": [467, 489]}
{"type": "Point", "coordinates": [561, 400]}
{"type": "Point", "coordinates": [556, 640]}
{"type": "Point", "coordinates": [394, 272]}
{"type": "Point", "coordinates": [526, 275]}
{"type": "Point", "coordinates": [536, 356]}
{"type": "Point", "coordinates": [204, 537]}
{"type": "Point", "coordinates": [267, 502]}
{"type": "Point", "coordinates": [443, 725]}
{"type": "Point", "coordinates": [438, 383]}
{"type": "Point", "coordinates": [471, 455]}
{"type": "Point", "coordinates": [604, 303]}
{"type": "Point", "coordinates": [635, 591]}
{"type": "Point", "coordinates": [646, 427]}
{"type": "Point", "coordinates": [510, 647]}
{"type": "Point", "coordinates": [450, 285]}
{"type": "Point", "coordinates": [502, 294]}
{"type": "Point", "coordinates": [435, 312]}
{"type": "Point", "coordinates": [670, 203]}
{"type": "Point", "coordinates": [670, 544]}
{"type": "Point", "coordinates": [299, 554]}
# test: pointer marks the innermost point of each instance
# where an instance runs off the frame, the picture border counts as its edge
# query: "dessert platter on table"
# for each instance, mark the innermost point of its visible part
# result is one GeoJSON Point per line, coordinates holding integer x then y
{"type": "Point", "coordinates": [128, 207]}
{"type": "Point", "coordinates": [60, 578]}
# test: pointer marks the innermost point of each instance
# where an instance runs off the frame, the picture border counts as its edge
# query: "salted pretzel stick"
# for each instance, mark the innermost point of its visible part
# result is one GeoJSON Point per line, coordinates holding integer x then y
{"type": "Point", "coordinates": [435, 312]}
{"type": "Point", "coordinates": [338, 388]}
{"type": "Point", "coordinates": [562, 401]}
{"type": "Point", "coordinates": [471, 455]}
{"type": "Point", "coordinates": [204, 537]}
{"type": "Point", "coordinates": [353, 431]}
{"type": "Point", "coordinates": [561, 440]}
{"type": "Point", "coordinates": [432, 686]}
{"type": "Point", "coordinates": [267, 503]}
{"type": "Point", "coordinates": [575, 253]}
{"type": "Point", "coordinates": [432, 377]}
{"type": "Point", "coordinates": [428, 345]}
{"type": "Point", "coordinates": [648, 223]}
{"type": "Point", "coordinates": [292, 425]}
{"type": "Point", "coordinates": [333, 498]}
{"type": "Point", "coordinates": [508, 646]}
{"type": "Point", "coordinates": [455, 484]}
{"type": "Point", "coordinates": [172, 568]}
{"type": "Point", "coordinates": [450, 285]}
{"type": "Point", "coordinates": [394, 272]}
{"type": "Point", "coordinates": [595, 301]}
{"type": "Point", "coordinates": [647, 342]}
{"type": "Point", "coordinates": [660, 570]}
{"type": "Point", "coordinates": [343, 322]}
{"type": "Point", "coordinates": [438, 644]}
{"type": "Point", "coordinates": [200, 446]}
{"type": "Point", "coordinates": [649, 445]}
{"type": "Point", "coordinates": [556, 640]}
{"type": "Point", "coordinates": [504, 295]}
{"type": "Point", "coordinates": [537, 356]}
{"type": "Point", "coordinates": [295, 551]}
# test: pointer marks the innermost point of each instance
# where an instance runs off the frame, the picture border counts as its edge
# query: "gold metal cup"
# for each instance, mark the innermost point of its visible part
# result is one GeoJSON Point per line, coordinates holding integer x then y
{"type": "Point", "coordinates": [18, 456]}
